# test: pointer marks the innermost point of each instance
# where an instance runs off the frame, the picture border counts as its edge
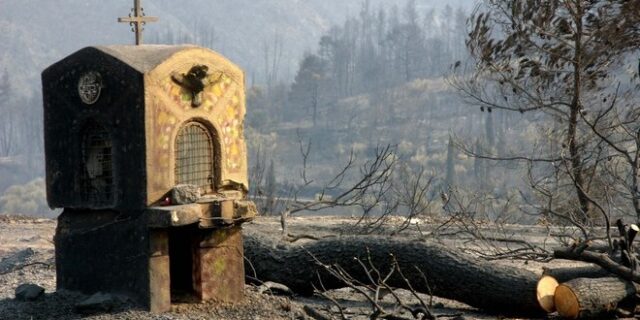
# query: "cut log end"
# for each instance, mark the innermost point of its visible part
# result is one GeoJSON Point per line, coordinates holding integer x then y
{"type": "Point", "coordinates": [592, 298]}
{"type": "Point", "coordinates": [566, 302]}
{"type": "Point", "coordinates": [545, 292]}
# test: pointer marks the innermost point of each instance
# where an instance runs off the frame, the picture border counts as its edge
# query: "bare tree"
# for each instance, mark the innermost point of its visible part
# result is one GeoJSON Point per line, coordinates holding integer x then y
{"type": "Point", "coordinates": [377, 287]}
{"type": "Point", "coordinates": [413, 189]}
{"type": "Point", "coordinates": [571, 67]}
{"type": "Point", "coordinates": [264, 188]}
{"type": "Point", "coordinates": [365, 187]}
{"type": "Point", "coordinates": [8, 120]}
{"type": "Point", "coordinates": [555, 59]}
{"type": "Point", "coordinates": [272, 57]}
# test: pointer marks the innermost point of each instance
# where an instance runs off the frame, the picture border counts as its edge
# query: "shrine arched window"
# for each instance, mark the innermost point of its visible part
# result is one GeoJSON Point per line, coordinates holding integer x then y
{"type": "Point", "coordinates": [96, 180]}
{"type": "Point", "coordinates": [195, 156]}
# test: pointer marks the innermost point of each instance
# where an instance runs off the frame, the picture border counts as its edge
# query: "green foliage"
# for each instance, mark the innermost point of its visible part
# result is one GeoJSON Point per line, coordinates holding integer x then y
{"type": "Point", "coordinates": [29, 199]}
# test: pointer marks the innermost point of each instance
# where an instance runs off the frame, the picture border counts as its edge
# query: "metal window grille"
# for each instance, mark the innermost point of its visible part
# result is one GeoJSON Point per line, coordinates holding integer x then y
{"type": "Point", "coordinates": [97, 175]}
{"type": "Point", "coordinates": [194, 156]}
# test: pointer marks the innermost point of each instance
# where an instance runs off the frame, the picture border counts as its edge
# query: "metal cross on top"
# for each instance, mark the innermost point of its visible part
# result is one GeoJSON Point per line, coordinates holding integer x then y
{"type": "Point", "coordinates": [137, 19]}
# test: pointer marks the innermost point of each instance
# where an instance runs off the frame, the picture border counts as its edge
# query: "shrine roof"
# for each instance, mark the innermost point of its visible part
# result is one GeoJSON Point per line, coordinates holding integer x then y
{"type": "Point", "coordinates": [147, 59]}
{"type": "Point", "coordinates": [143, 57]}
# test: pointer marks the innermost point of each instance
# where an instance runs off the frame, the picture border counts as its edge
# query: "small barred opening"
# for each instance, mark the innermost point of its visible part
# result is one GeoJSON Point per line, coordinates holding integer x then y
{"type": "Point", "coordinates": [194, 156]}
{"type": "Point", "coordinates": [97, 162]}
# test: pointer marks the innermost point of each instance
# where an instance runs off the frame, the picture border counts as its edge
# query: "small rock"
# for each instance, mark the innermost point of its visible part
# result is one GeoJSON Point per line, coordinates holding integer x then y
{"type": "Point", "coordinates": [29, 292]}
{"type": "Point", "coordinates": [99, 302]}
{"type": "Point", "coordinates": [185, 194]}
{"type": "Point", "coordinates": [9, 263]}
{"type": "Point", "coordinates": [31, 239]}
{"type": "Point", "coordinates": [275, 288]}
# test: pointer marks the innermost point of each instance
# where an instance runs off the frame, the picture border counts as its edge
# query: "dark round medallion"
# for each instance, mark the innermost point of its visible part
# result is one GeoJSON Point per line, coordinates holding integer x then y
{"type": "Point", "coordinates": [89, 87]}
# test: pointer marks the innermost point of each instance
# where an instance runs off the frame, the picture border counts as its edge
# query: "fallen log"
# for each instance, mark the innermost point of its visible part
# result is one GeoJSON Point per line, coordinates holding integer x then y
{"type": "Point", "coordinates": [601, 259]}
{"type": "Point", "coordinates": [450, 274]}
{"type": "Point", "coordinates": [552, 277]}
{"type": "Point", "coordinates": [594, 298]}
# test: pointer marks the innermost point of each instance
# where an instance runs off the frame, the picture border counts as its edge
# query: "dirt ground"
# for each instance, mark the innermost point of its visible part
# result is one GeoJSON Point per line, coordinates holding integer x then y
{"type": "Point", "coordinates": [27, 256]}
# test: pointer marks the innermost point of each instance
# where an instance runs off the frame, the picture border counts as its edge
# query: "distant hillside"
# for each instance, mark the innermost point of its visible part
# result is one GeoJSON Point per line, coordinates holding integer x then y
{"type": "Point", "coordinates": [36, 33]}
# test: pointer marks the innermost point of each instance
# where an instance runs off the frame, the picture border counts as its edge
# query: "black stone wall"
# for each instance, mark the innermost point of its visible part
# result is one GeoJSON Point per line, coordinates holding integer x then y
{"type": "Point", "coordinates": [119, 109]}
{"type": "Point", "coordinates": [103, 251]}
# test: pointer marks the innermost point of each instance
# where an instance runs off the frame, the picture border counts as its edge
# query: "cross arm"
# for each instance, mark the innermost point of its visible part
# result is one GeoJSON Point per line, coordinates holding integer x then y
{"type": "Point", "coordinates": [138, 19]}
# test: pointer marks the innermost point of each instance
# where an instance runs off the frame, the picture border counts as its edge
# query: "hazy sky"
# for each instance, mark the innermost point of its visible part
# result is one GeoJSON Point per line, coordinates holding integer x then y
{"type": "Point", "coordinates": [36, 33]}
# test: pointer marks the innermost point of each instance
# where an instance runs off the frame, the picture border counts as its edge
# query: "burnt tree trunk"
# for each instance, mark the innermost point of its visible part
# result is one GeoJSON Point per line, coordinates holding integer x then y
{"type": "Point", "coordinates": [591, 297]}
{"type": "Point", "coordinates": [450, 274]}
{"type": "Point", "coordinates": [569, 273]}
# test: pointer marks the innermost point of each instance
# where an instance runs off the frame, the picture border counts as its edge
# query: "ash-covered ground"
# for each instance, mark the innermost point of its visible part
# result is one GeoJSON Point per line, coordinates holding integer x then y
{"type": "Point", "coordinates": [27, 256]}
